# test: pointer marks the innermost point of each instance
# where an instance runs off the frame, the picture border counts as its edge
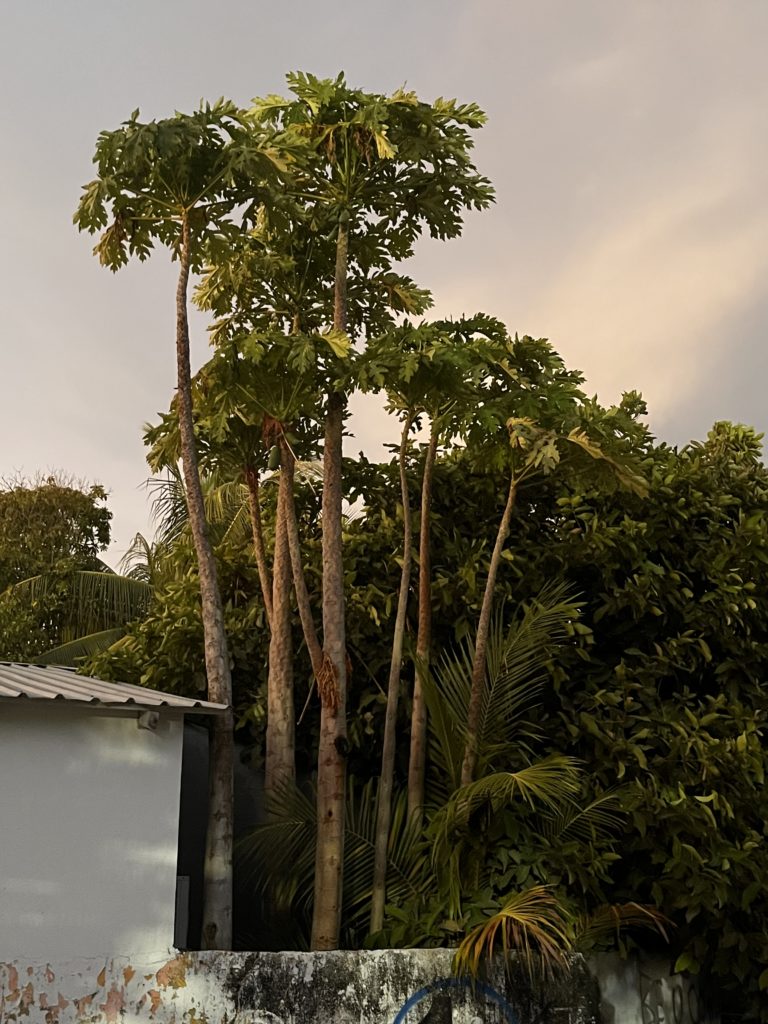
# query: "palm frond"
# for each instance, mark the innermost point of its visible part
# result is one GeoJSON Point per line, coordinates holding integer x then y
{"type": "Point", "coordinates": [517, 668]}
{"type": "Point", "coordinates": [549, 782]}
{"type": "Point", "coordinates": [309, 471]}
{"type": "Point", "coordinates": [446, 695]}
{"type": "Point", "coordinates": [71, 654]}
{"type": "Point", "coordinates": [609, 920]}
{"type": "Point", "coordinates": [585, 822]}
{"type": "Point", "coordinates": [224, 499]}
{"type": "Point", "coordinates": [238, 527]}
{"type": "Point", "coordinates": [137, 562]}
{"type": "Point", "coordinates": [405, 878]}
{"type": "Point", "coordinates": [226, 508]}
{"type": "Point", "coordinates": [169, 506]}
{"type": "Point", "coordinates": [546, 785]}
{"type": "Point", "coordinates": [518, 663]}
{"type": "Point", "coordinates": [93, 601]}
{"type": "Point", "coordinates": [278, 857]}
{"type": "Point", "coordinates": [534, 924]}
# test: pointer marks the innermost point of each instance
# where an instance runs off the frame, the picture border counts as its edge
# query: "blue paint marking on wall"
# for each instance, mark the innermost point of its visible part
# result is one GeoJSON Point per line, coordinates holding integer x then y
{"type": "Point", "coordinates": [457, 983]}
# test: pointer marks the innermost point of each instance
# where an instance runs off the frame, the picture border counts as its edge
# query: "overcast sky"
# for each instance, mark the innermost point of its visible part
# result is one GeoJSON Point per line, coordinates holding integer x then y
{"type": "Point", "coordinates": [627, 142]}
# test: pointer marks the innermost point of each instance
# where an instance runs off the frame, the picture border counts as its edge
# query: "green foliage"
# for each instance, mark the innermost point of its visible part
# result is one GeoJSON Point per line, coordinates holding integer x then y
{"type": "Point", "coordinates": [401, 163]}
{"type": "Point", "coordinates": [433, 368]}
{"type": "Point", "coordinates": [541, 930]}
{"type": "Point", "coordinates": [517, 669]}
{"type": "Point", "coordinates": [653, 681]}
{"type": "Point", "coordinates": [446, 880]}
{"type": "Point", "coordinates": [61, 618]}
{"type": "Point", "coordinates": [277, 859]}
{"type": "Point", "coordinates": [671, 698]}
{"type": "Point", "coordinates": [59, 602]}
{"type": "Point", "coordinates": [74, 652]}
{"type": "Point", "coordinates": [149, 175]}
{"type": "Point", "coordinates": [244, 397]}
{"type": "Point", "coordinates": [50, 525]}
{"type": "Point", "coordinates": [387, 168]}
{"type": "Point", "coordinates": [656, 685]}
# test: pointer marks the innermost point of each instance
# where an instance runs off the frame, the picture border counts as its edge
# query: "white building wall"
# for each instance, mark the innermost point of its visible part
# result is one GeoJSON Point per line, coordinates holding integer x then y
{"type": "Point", "coordinates": [89, 808]}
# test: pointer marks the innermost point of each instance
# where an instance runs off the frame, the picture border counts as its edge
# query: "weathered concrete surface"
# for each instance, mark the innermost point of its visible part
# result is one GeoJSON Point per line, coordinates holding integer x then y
{"type": "Point", "coordinates": [643, 992]}
{"type": "Point", "coordinates": [387, 987]}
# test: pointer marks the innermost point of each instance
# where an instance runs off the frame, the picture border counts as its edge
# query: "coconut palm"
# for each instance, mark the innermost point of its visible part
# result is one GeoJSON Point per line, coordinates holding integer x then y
{"type": "Point", "coordinates": [83, 611]}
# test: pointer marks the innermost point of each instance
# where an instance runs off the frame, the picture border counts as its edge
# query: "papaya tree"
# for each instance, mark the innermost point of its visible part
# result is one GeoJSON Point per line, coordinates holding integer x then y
{"type": "Point", "coordinates": [532, 420]}
{"type": "Point", "coordinates": [425, 371]}
{"type": "Point", "coordinates": [375, 172]}
{"type": "Point", "coordinates": [177, 183]}
{"type": "Point", "coordinates": [255, 411]}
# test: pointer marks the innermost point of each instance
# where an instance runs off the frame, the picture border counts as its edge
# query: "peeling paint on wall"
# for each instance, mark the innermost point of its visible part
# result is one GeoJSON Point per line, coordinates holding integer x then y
{"type": "Point", "coordinates": [380, 987]}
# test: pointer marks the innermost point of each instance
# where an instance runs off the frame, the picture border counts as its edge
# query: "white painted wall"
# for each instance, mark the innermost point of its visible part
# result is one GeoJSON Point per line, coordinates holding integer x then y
{"type": "Point", "coordinates": [89, 808]}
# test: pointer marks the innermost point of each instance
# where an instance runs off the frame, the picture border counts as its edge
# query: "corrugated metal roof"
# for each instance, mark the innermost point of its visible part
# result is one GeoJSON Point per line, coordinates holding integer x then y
{"type": "Point", "coordinates": [52, 683]}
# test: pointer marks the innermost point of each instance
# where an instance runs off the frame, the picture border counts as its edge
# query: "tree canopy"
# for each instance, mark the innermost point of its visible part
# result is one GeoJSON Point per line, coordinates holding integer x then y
{"type": "Point", "coordinates": [526, 656]}
{"type": "Point", "coordinates": [51, 524]}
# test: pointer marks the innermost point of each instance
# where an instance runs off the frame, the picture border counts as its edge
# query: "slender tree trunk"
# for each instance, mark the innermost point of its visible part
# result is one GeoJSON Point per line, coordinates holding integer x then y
{"type": "Point", "coordinates": [259, 550]}
{"type": "Point", "coordinates": [418, 753]}
{"type": "Point", "coordinates": [280, 763]}
{"type": "Point", "coordinates": [332, 685]}
{"type": "Point", "coordinates": [481, 642]}
{"type": "Point", "coordinates": [384, 803]}
{"type": "Point", "coordinates": [299, 579]}
{"type": "Point", "coordinates": [217, 913]}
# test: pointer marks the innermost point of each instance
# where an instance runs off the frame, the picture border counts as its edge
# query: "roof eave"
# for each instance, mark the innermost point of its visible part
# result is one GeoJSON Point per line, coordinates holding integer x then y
{"type": "Point", "coordinates": [129, 706]}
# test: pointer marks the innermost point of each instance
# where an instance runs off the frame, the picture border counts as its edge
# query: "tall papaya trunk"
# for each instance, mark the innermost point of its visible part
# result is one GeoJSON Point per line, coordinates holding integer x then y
{"type": "Point", "coordinates": [257, 530]}
{"type": "Point", "coordinates": [280, 762]}
{"type": "Point", "coordinates": [418, 753]}
{"type": "Point", "coordinates": [384, 803]}
{"type": "Point", "coordinates": [481, 643]}
{"type": "Point", "coordinates": [217, 911]}
{"type": "Point", "coordinates": [332, 686]}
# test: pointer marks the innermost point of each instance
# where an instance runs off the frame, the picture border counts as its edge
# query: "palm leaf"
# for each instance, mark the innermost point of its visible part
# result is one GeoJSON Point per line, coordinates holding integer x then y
{"type": "Point", "coordinates": [517, 669]}
{"type": "Point", "coordinates": [446, 695]}
{"type": "Point", "coordinates": [169, 506]}
{"type": "Point", "coordinates": [545, 785]}
{"type": "Point", "coordinates": [70, 654]}
{"type": "Point", "coordinates": [142, 560]}
{"type": "Point", "coordinates": [609, 920]}
{"type": "Point", "coordinates": [278, 857]}
{"type": "Point", "coordinates": [226, 506]}
{"type": "Point", "coordinates": [549, 783]}
{"type": "Point", "coordinates": [533, 923]}
{"type": "Point", "coordinates": [518, 665]}
{"type": "Point", "coordinates": [585, 822]}
{"type": "Point", "coordinates": [93, 601]}
{"type": "Point", "coordinates": [405, 877]}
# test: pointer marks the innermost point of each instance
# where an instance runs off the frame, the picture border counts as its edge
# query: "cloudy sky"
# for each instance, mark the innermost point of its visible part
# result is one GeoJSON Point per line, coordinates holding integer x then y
{"type": "Point", "coordinates": [627, 142]}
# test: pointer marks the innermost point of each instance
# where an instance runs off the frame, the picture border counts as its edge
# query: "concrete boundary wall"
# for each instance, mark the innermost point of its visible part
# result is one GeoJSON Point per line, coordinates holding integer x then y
{"type": "Point", "coordinates": [380, 987]}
